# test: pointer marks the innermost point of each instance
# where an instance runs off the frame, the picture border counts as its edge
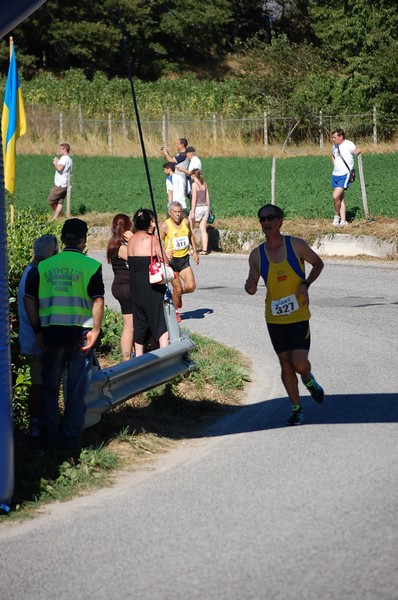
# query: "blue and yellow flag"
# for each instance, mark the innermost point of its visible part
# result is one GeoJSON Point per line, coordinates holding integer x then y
{"type": "Point", "coordinates": [13, 122]}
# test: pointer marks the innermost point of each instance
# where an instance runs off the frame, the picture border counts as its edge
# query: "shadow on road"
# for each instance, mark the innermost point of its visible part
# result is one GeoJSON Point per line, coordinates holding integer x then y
{"type": "Point", "coordinates": [337, 409]}
{"type": "Point", "coordinates": [200, 313]}
{"type": "Point", "coordinates": [184, 419]}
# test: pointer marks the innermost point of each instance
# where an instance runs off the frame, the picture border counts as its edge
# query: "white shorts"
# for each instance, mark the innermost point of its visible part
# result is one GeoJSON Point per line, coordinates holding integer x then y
{"type": "Point", "coordinates": [201, 212]}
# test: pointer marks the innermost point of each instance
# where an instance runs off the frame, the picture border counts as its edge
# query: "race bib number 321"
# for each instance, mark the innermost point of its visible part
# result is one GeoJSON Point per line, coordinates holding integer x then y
{"type": "Point", "coordinates": [284, 306]}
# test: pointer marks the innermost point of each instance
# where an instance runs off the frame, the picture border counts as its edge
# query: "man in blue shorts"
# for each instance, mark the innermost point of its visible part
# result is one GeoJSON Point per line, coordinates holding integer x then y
{"type": "Point", "coordinates": [280, 261]}
{"type": "Point", "coordinates": [343, 153]}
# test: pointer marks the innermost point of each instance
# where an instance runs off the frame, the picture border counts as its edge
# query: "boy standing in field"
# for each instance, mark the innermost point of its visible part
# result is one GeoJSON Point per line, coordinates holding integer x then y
{"type": "Point", "coordinates": [63, 170]}
{"type": "Point", "coordinates": [174, 185]}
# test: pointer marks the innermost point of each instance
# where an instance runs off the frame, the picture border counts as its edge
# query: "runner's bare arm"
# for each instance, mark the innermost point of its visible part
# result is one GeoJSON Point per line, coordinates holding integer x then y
{"type": "Point", "coordinates": [162, 234]}
{"type": "Point", "coordinates": [304, 252]}
{"type": "Point", "coordinates": [192, 241]}
{"type": "Point", "coordinates": [254, 273]}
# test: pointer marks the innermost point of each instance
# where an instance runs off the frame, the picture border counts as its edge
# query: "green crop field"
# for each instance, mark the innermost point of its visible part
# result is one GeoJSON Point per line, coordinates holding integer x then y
{"type": "Point", "coordinates": [238, 186]}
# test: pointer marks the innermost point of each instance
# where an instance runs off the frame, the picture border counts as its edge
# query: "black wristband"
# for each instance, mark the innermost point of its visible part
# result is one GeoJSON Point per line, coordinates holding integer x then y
{"type": "Point", "coordinates": [306, 284]}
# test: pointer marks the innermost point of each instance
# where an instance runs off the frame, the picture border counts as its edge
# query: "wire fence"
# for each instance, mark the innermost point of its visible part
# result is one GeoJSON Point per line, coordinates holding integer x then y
{"type": "Point", "coordinates": [265, 130]}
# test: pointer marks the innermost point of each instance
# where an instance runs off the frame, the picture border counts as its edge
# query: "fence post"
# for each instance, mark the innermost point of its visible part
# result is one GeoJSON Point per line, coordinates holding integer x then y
{"type": "Point", "coordinates": [214, 127]}
{"type": "Point", "coordinates": [61, 126]}
{"type": "Point", "coordinates": [222, 127]}
{"type": "Point", "coordinates": [374, 126]}
{"type": "Point", "coordinates": [273, 171]}
{"type": "Point", "coordinates": [68, 194]}
{"type": "Point", "coordinates": [124, 128]}
{"type": "Point", "coordinates": [110, 133]}
{"type": "Point", "coordinates": [164, 130]}
{"type": "Point", "coordinates": [363, 188]}
{"type": "Point", "coordinates": [80, 118]}
{"type": "Point", "coordinates": [265, 117]}
{"type": "Point", "coordinates": [320, 130]}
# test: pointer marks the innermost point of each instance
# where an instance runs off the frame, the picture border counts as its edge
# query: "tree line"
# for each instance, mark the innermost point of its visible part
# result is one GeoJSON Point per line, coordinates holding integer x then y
{"type": "Point", "coordinates": [290, 56]}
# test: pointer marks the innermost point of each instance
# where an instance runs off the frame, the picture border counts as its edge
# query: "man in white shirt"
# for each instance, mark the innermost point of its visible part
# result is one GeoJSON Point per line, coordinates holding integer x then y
{"type": "Point", "coordinates": [63, 170]}
{"type": "Point", "coordinates": [174, 185]}
{"type": "Point", "coordinates": [343, 153]}
{"type": "Point", "coordinates": [194, 163]}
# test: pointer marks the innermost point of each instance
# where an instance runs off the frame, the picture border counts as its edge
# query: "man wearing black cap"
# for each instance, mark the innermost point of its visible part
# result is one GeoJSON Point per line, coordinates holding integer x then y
{"type": "Point", "coordinates": [65, 304]}
{"type": "Point", "coordinates": [194, 161]}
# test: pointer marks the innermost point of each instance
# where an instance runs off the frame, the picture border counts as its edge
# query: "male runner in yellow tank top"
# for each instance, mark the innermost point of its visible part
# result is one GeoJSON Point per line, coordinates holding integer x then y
{"type": "Point", "coordinates": [280, 261]}
{"type": "Point", "coordinates": [176, 236]}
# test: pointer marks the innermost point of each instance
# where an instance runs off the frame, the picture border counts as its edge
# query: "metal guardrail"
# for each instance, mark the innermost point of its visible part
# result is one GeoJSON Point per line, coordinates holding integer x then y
{"type": "Point", "coordinates": [113, 385]}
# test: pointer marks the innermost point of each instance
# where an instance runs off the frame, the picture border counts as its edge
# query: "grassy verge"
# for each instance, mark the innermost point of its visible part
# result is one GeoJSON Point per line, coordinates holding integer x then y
{"type": "Point", "coordinates": [133, 433]}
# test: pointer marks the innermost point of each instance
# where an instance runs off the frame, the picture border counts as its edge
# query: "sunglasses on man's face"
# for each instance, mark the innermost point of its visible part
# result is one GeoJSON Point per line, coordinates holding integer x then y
{"type": "Point", "coordinates": [268, 218]}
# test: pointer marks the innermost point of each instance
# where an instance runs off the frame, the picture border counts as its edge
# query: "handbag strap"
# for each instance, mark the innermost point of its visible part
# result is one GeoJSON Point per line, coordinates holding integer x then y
{"type": "Point", "coordinates": [341, 156]}
{"type": "Point", "coordinates": [152, 260]}
{"type": "Point", "coordinates": [158, 258]}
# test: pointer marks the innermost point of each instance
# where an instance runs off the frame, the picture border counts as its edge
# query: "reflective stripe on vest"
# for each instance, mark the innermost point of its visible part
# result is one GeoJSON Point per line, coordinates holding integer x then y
{"type": "Point", "coordinates": [65, 301]}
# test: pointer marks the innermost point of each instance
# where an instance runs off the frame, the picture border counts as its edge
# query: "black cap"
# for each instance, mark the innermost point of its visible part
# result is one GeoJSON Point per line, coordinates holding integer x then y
{"type": "Point", "coordinates": [74, 230]}
{"type": "Point", "coordinates": [190, 149]}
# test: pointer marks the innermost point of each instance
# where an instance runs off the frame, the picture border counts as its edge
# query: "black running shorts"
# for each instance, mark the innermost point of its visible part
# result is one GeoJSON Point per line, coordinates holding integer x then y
{"type": "Point", "coordinates": [179, 264]}
{"type": "Point", "coordinates": [290, 336]}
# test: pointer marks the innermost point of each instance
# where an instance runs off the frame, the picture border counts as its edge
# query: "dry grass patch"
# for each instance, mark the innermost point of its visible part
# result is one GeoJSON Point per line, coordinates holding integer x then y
{"type": "Point", "coordinates": [231, 146]}
{"type": "Point", "coordinates": [384, 228]}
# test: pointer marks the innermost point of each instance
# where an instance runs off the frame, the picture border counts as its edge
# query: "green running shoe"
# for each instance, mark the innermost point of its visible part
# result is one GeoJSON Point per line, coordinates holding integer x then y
{"type": "Point", "coordinates": [296, 417]}
{"type": "Point", "coordinates": [314, 389]}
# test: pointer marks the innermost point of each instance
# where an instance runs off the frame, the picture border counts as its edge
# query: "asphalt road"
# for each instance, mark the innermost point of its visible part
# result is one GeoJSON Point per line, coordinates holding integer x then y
{"type": "Point", "coordinates": [256, 510]}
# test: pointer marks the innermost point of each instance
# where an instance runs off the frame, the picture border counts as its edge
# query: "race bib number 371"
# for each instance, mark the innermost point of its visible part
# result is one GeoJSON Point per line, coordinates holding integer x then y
{"type": "Point", "coordinates": [284, 306]}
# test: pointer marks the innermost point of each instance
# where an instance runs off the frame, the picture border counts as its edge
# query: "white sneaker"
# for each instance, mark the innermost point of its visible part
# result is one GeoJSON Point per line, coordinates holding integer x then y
{"type": "Point", "coordinates": [336, 221]}
{"type": "Point", "coordinates": [342, 223]}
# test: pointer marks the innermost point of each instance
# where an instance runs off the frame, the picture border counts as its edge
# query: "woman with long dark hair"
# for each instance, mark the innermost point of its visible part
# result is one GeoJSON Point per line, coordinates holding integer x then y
{"type": "Point", "coordinates": [116, 254]}
{"type": "Point", "coordinates": [148, 299]}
